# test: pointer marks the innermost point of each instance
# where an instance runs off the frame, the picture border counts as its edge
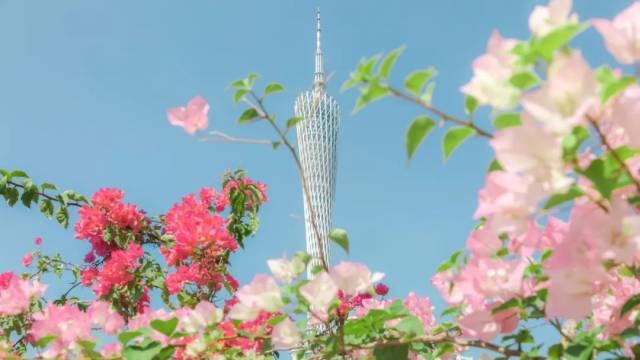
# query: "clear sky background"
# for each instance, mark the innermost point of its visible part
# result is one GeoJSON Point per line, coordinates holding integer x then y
{"type": "Point", "coordinates": [84, 87]}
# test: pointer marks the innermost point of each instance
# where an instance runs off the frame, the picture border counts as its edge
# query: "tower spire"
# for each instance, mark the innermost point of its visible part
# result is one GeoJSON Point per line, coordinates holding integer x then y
{"type": "Point", "coordinates": [318, 77]}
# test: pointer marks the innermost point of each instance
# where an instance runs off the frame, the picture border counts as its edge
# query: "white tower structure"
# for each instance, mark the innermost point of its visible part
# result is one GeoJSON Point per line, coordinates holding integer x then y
{"type": "Point", "coordinates": [317, 144]}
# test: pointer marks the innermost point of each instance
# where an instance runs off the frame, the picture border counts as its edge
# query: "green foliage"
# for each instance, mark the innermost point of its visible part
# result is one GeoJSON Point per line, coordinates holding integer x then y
{"type": "Point", "coordinates": [611, 84]}
{"type": "Point", "coordinates": [341, 238]}
{"type": "Point", "coordinates": [387, 64]}
{"type": "Point", "coordinates": [525, 80]}
{"type": "Point", "coordinates": [398, 352]}
{"type": "Point", "coordinates": [571, 143]}
{"type": "Point", "coordinates": [248, 115]}
{"type": "Point", "coordinates": [470, 104]}
{"type": "Point", "coordinates": [454, 138]}
{"type": "Point", "coordinates": [147, 350]}
{"type": "Point", "coordinates": [273, 88]}
{"type": "Point", "coordinates": [547, 45]}
{"type": "Point", "coordinates": [416, 81]}
{"type": "Point", "coordinates": [630, 304]}
{"type": "Point", "coordinates": [506, 120]}
{"type": "Point", "coordinates": [557, 199]}
{"type": "Point", "coordinates": [450, 263]}
{"type": "Point", "coordinates": [416, 133]}
{"type": "Point", "coordinates": [369, 93]}
{"type": "Point", "coordinates": [606, 172]}
{"type": "Point", "coordinates": [292, 122]}
{"type": "Point", "coordinates": [166, 327]}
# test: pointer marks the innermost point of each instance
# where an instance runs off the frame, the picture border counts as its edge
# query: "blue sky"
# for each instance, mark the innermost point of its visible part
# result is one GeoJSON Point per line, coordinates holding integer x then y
{"type": "Point", "coordinates": [84, 86]}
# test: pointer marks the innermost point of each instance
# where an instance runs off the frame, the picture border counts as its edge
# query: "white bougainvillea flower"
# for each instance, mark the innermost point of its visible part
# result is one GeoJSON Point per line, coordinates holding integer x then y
{"type": "Point", "coordinates": [285, 334]}
{"type": "Point", "coordinates": [622, 35]}
{"type": "Point", "coordinates": [285, 270]}
{"type": "Point", "coordinates": [319, 293]}
{"type": "Point", "coordinates": [261, 294]}
{"type": "Point", "coordinates": [545, 19]}
{"type": "Point", "coordinates": [492, 72]}
{"type": "Point", "coordinates": [192, 118]}
{"type": "Point", "coordinates": [198, 318]}
{"type": "Point", "coordinates": [570, 92]}
{"type": "Point", "coordinates": [353, 278]}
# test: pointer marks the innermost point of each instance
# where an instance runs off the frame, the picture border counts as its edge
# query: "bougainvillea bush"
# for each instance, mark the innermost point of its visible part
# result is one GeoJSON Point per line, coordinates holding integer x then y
{"type": "Point", "coordinates": [556, 246]}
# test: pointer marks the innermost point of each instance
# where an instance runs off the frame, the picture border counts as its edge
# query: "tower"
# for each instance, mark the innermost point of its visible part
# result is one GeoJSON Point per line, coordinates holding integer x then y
{"type": "Point", "coordinates": [317, 137]}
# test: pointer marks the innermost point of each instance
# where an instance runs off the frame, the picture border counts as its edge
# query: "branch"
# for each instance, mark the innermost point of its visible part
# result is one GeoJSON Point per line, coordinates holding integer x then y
{"type": "Point", "coordinates": [607, 145]}
{"type": "Point", "coordinates": [41, 193]}
{"type": "Point", "coordinates": [444, 116]}
{"type": "Point", "coordinates": [223, 137]}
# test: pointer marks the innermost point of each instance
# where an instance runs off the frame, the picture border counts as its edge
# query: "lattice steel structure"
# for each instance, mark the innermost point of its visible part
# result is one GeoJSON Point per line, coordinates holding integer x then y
{"type": "Point", "coordinates": [317, 142]}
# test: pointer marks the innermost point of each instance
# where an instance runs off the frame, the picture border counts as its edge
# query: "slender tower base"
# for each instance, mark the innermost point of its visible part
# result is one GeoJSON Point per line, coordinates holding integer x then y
{"type": "Point", "coordinates": [317, 144]}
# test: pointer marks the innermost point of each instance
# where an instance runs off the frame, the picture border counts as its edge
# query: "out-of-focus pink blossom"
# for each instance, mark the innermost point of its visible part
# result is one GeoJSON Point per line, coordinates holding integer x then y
{"type": "Point", "coordinates": [528, 243]}
{"type": "Point", "coordinates": [66, 322]}
{"type": "Point", "coordinates": [16, 294]}
{"type": "Point", "coordinates": [545, 19]}
{"type": "Point", "coordinates": [319, 293]}
{"type": "Point", "coordinates": [352, 278]}
{"type": "Point", "coordinates": [422, 308]}
{"type": "Point", "coordinates": [484, 241]}
{"type": "Point", "coordinates": [507, 200]}
{"type": "Point", "coordinates": [286, 270]}
{"type": "Point", "coordinates": [27, 259]}
{"type": "Point", "coordinates": [37, 240]}
{"type": "Point", "coordinates": [608, 303]}
{"type": "Point", "coordinates": [482, 324]}
{"type": "Point", "coordinates": [530, 150]}
{"type": "Point", "coordinates": [621, 35]}
{"type": "Point", "coordinates": [112, 350]}
{"type": "Point", "coordinates": [285, 334]}
{"type": "Point", "coordinates": [261, 294]}
{"type": "Point", "coordinates": [192, 118]}
{"type": "Point", "coordinates": [624, 113]}
{"type": "Point", "coordinates": [104, 316]}
{"type": "Point", "coordinates": [200, 317]}
{"type": "Point", "coordinates": [381, 289]}
{"type": "Point", "coordinates": [492, 73]}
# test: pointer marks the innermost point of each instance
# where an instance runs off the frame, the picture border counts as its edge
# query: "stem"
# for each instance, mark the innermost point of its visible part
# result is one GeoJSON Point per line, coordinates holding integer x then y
{"type": "Point", "coordinates": [224, 137]}
{"type": "Point", "coordinates": [607, 145]}
{"type": "Point", "coordinates": [41, 193]}
{"type": "Point", "coordinates": [263, 114]}
{"type": "Point", "coordinates": [444, 116]}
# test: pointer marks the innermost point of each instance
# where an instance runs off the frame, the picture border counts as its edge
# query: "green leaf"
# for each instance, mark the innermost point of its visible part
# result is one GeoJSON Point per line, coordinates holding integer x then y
{"type": "Point", "coordinates": [127, 336]}
{"type": "Point", "coordinates": [239, 95]}
{"type": "Point", "coordinates": [340, 237]}
{"type": "Point", "coordinates": [546, 46]}
{"type": "Point", "coordinates": [62, 216]}
{"type": "Point", "coordinates": [449, 263]}
{"type": "Point", "coordinates": [454, 138]}
{"type": "Point", "coordinates": [417, 80]}
{"type": "Point", "coordinates": [276, 144]}
{"type": "Point", "coordinates": [145, 351]}
{"type": "Point", "coordinates": [630, 304]}
{"type": "Point", "coordinates": [427, 95]}
{"type": "Point", "coordinates": [470, 104]}
{"type": "Point", "coordinates": [400, 352]}
{"type": "Point", "coordinates": [610, 83]}
{"type": "Point", "coordinates": [557, 199]}
{"type": "Point", "coordinates": [17, 174]}
{"type": "Point", "coordinates": [417, 131]}
{"type": "Point", "coordinates": [46, 208]}
{"type": "Point", "coordinates": [273, 88]}
{"type": "Point", "coordinates": [43, 342]}
{"type": "Point", "coordinates": [606, 173]}
{"type": "Point", "coordinates": [48, 186]}
{"type": "Point", "coordinates": [292, 122]}
{"type": "Point", "coordinates": [506, 120]}
{"type": "Point", "coordinates": [166, 327]}
{"type": "Point", "coordinates": [511, 303]}
{"type": "Point", "coordinates": [370, 93]}
{"type": "Point", "coordinates": [494, 166]}
{"type": "Point", "coordinates": [578, 352]}
{"type": "Point", "coordinates": [524, 80]}
{"type": "Point", "coordinates": [11, 195]}
{"type": "Point", "coordinates": [387, 64]}
{"type": "Point", "coordinates": [572, 142]}
{"type": "Point", "coordinates": [411, 326]}
{"type": "Point", "coordinates": [248, 115]}
{"type": "Point", "coordinates": [555, 352]}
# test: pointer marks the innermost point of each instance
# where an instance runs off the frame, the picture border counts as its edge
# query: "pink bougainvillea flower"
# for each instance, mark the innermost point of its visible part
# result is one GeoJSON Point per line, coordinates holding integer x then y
{"type": "Point", "coordinates": [422, 308]}
{"type": "Point", "coordinates": [285, 334]}
{"type": "Point", "coordinates": [66, 322]}
{"type": "Point", "coordinates": [261, 294]}
{"type": "Point", "coordinates": [319, 293]}
{"type": "Point", "coordinates": [27, 259]}
{"type": "Point", "coordinates": [198, 318]}
{"type": "Point", "coordinates": [621, 35]}
{"type": "Point", "coordinates": [545, 19]}
{"type": "Point", "coordinates": [484, 241]}
{"type": "Point", "coordinates": [16, 294]}
{"type": "Point", "coordinates": [285, 270]}
{"type": "Point", "coordinates": [192, 118]}
{"type": "Point", "coordinates": [104, 316]}
{"type": "Point", "coordinates": [352, 278]}
{"type": "Point", "coordinates": [491, 74]}
{"type": "Point", "coordinates": [37, 241]}
{"type": "Point", "coordinates": [531, 150]}
{"type": "Point", "coordinates": [570, 92]}
{"type": "Point", "coordinates": [624, 113]}
{"type": "Point", "coordinates": [482, 324]}
{"type": "Point", "coordinates": [112, 350]}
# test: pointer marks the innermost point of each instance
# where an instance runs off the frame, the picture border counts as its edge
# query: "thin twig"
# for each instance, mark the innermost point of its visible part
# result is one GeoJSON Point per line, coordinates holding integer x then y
{"type": "Point", "coordinates": [41, 193]}
{"type": "Point", "coordinates": [444, 116]}
{"type": "Point", "coordinates": [223, 137]}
